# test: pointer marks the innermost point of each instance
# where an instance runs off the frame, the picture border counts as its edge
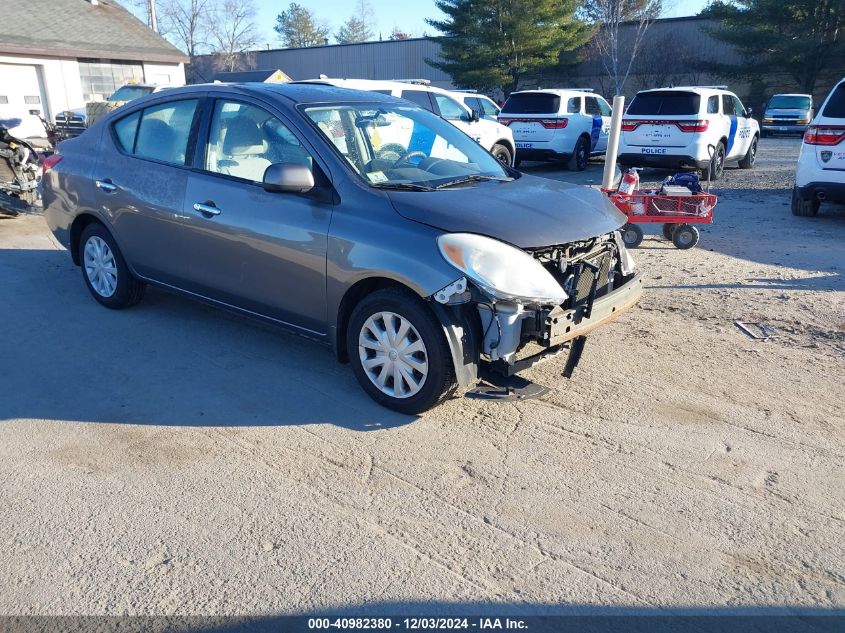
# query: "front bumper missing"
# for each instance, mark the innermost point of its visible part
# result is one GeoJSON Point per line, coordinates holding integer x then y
{"type": "Point", "coordinates": [561, 328]}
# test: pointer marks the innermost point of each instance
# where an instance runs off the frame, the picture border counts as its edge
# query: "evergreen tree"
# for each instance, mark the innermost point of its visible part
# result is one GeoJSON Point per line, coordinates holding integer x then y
{"type": "Point", "coordinates": [298, 27]}
{"type": "Point", "coordinates": [799, 37]}
{"type": "Point", "coordinates": [493, 43]}
{"type": "Point", "coordinates": [357, 27]}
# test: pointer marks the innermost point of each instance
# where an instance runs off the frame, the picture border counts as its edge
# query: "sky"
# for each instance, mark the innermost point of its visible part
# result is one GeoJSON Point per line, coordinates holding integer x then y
{"type": "Point", "coordinates": [407, 15]}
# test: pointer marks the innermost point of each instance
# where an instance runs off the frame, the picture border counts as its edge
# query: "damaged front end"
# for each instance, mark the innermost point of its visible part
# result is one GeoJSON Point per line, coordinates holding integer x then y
{"type": "Point", "coordinates": [595, 281]}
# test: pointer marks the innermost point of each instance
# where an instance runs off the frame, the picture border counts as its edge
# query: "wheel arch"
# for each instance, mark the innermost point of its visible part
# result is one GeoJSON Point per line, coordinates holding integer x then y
{"type": "Point", "coordinates": [80, 223]}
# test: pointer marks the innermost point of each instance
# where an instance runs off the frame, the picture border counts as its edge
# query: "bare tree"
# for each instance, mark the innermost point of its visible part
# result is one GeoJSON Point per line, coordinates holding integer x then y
{"type": "Point", "coordinates": [617, 46]}
{"type": "Point", "coordinates": [233, 33]}
{"type": "Point", "coordinates": [187, 23]}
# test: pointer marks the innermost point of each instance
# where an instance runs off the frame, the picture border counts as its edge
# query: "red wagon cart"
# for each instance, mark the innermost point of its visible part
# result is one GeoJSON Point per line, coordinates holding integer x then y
{"type": "Point", "coordinates": [678, 213]}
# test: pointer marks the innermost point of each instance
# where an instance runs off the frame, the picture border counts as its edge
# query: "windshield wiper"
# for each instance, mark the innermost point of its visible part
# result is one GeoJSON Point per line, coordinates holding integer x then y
{"type": "Point", "coordinates": [471, 178]}
{"type": "Point", "coordinates": [401, 186]}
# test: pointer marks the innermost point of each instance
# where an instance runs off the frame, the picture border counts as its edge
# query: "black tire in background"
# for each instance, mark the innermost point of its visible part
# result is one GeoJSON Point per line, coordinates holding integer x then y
{"type": "Point", "coordinates": [685, 236]}
{"type": "Point", "coordinates": [750, 157]}
{"type": "Point", "coordinates": [667, 231]}
{"type": "Point", "coordinates": [440, 380]}
{"type": "Point", "coordinates": [632, 235]}
{"type": "Point", "coordinates": [128, 290]}
{"type": "Point", "coordinates": [804, 207]}
{"type": "Point", "coordinates": [502, 154]}
{"type": "Point", "coordinates": [580, 155]}
{"type": "Point", "coordinates": [717, 165]}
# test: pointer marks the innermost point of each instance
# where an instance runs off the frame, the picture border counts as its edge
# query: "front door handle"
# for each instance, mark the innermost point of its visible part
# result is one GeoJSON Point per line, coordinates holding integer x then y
{"type": "Point", "coordinates": [206, 208]}
{"type": "Point", "coordinates": [106, 185]}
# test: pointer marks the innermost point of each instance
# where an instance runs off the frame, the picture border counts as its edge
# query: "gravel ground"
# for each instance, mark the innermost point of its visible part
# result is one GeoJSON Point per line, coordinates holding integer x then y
{"type": "Point", "coordinates": [173, 459]}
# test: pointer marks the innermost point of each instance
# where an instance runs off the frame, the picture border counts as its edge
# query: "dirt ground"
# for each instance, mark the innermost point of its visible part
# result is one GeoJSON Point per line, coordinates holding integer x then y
{"type": "Point", "coordinates": [173, 459]}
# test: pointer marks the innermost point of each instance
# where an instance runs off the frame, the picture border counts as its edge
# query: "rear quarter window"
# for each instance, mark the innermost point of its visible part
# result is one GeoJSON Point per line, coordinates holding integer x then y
{"type": "Point", "coordinates": [125, 130]}
{"type": "Point", "coordinates": [665, 102]}
{"type": "Point", "coordinates": [532, 103]}
{"type": "Point", "coordinates": [835, 106]}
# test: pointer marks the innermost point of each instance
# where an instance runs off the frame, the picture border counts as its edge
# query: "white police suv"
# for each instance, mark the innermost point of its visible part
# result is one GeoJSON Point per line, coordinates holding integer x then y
{"type": "Point", "coordinates": [491, 135]}
{"type": "Point", "coordinates": [673, 128]}
{"type": "Point", "coordinates": [821, 164]}
{"type": "Point", "coordinates": [552, 124]}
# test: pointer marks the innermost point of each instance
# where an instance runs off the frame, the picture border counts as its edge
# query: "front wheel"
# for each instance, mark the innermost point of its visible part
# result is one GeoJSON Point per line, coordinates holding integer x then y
{"type": "Point", "coordinates": [399, 352]}
{"type": "Point", "coordinates": [747, 161]}
{"type": "Point", "coordinates": [685, 236]}
{"type": "Point", "coordinates": [105, 271]}
{"type": "Point", "coordinates": [580, 155]}
{"type": "Point", "coordinates": [632, 235]}
{"type": "Point", "coordinates": [668, 229]}
{"type": "Point", "coordinates": [502, 154]}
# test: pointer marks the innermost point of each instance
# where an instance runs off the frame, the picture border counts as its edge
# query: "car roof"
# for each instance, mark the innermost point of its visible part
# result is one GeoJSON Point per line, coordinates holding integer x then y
{"type": "Point", "coordinates": [708, 90]}
{"type": "Point", "coordinates": [791, 94]}
{"type": "Point", "coordinates": [373, 84]}
{"type": "Point", "coordinates": [292, 92]}
{"type": "Point", "coordinates": [559, 91]}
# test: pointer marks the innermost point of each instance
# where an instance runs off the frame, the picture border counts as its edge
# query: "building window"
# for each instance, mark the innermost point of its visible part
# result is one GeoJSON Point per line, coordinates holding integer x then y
{"type": "Point", "coordinates": [101, 77]}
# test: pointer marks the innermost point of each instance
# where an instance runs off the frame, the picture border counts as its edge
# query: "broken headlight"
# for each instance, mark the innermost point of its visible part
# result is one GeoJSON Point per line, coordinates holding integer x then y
{"type": "Point", "coordinates": [502, 271]}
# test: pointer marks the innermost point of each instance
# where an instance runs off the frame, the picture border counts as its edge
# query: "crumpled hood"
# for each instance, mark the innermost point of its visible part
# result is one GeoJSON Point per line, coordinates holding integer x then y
{"type": "Point", "coordinates": [527, 212]}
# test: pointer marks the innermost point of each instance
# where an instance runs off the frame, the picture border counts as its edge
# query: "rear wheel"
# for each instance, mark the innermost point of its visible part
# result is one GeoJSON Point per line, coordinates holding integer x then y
{"type": "Point", "coordinates": [502, 154]}
{"type": "Point", "coordinates": [685, 236]}
{"type": "Point", "coordinates": [668, 229]}
{"type": "Point", "coordinates": [398, 351]}
{"type": "Point", "coordinates": [104, 269]}
{"type": "Point", "coordinates": [717, 164]}
{"type": "Point", "coordinates": [804, 207]}
{"type": "Point", "coordinates": [632, 235]}
{"type": "Point", "coordinates": [747, 161]}
{"type": "Point", "coordinates": [580, 155]}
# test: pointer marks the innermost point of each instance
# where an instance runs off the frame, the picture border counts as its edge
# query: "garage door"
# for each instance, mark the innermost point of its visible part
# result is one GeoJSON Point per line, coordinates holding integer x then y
{"type": "Point", "coordinates": [20, 92]}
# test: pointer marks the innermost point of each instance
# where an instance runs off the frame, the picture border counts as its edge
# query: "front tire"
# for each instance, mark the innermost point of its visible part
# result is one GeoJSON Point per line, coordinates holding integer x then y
{"type": "Point", "coordinates": [398, 351]}
{"type": "Point", "coordinates": [803, 207]}
{"type": "Point", "coordinates": [685, 236]}
{"type": "Point", "coordinates": [668, 229]}
{"type": "Point", "coordinates": [580, 155]}
{"type": "Point", "coordinates": [632, 235]}
{"type": "Point", "coordinates": [750, 157]}
{"type": "Point", "coordinates": [502, 154]}
{"type": "Point", "coordinates": [105, 271]}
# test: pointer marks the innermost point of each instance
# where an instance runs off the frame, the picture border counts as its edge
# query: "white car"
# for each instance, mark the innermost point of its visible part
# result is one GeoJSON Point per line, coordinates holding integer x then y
{"type": "Point", "coordinates": [491, 135]}
{"type": "Point", "coordinates": [482, 104]}
{"type": "Point", "coordinates": [675, 128]}
{"type": "Point", "coordinates": [552, 124]}
{"type": "Point", "coordinates": [821, 163]}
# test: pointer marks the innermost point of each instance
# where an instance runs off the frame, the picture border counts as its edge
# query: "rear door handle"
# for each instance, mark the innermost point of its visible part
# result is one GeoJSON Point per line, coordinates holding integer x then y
{"type": "Point", "coordinates": [206, 209]}
{"type": "Point", "coordinates": [106, 185]}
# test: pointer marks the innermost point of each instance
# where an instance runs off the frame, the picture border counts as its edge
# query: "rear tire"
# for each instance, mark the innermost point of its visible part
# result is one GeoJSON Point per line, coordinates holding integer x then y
{"type": "Point", "coordinates": [803, 207]}
{"type": "Point", "coordinates": [580, 155]}
{"type": "Point", "coordinates": [632, 235]}
{"type": "Point", "coordinates": [385, 313]}
{"type": "Point", "coordinates": [747, 161]}
{"type": "Point", "coordinates": [685, 236]}
{"type": "Point", "coordinates": [717, 165]}
{"type": "Point", "coordinates": [502, 154]}
{"type": "Point", "coordinates": [668, 229]}
{"type": "Point", "coordinates": [105, 271]}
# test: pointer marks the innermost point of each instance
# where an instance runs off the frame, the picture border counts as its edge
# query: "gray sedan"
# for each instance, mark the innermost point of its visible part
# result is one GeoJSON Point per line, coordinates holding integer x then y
{"type": "Point", "coordinates": [357, 219]}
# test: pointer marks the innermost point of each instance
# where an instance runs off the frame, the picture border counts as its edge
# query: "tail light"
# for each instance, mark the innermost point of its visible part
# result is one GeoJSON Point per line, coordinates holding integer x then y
{"type": "Point", "coordinates": [49, 162]}
{"type": "Point", "coordinates": [693, 126]}
{"type": "Point", "coordinates": [824, 134]}
{"type": "Point", "coordinates": [549, 124]}
{"type": "Point", "coordinates": [629, 126]}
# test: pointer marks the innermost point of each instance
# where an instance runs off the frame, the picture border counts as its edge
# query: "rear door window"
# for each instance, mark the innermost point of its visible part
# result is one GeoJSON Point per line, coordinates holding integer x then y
{"type": "Point", "coordinates": [591, 106]}
{"type": "Point", "coordinates": [835, 106]}
{"type": "Point", "coordinates": [164, 131]}
{"type": "Point", "coordinates": [573, 106]}
{"type": "Point", "coordinates": [420, 97]}
{"type": "Point", "coordinates": [666, 102]}
{"type": "Point", "coordinates": [532, 103]}
{"type": "Point", "coordinates": [448, 108]}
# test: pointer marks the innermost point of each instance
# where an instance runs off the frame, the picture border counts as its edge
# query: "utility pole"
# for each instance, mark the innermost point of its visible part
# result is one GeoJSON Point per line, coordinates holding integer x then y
{"type": "Point", "coordinates": [151, 6]}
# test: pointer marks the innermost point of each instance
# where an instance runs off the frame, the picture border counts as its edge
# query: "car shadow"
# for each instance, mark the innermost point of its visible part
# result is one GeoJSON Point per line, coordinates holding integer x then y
{"type": "Point", "coordinates": [167, 361]}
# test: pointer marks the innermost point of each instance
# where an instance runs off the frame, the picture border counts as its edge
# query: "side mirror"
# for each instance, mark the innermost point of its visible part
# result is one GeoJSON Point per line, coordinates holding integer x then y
{"type": "Point", "coordinates": [475, 116]}
{"type": "Point", "coordinates": [748, 111]}
{"type": "Point", "coordinates": [288, 178]}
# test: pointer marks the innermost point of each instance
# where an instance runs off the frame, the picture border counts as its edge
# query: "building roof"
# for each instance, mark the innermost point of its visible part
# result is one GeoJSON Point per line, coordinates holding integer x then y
{"type": "Point", "coordinates": [245, 76]}
{"type": "Point", "coordinates": [81, 28]}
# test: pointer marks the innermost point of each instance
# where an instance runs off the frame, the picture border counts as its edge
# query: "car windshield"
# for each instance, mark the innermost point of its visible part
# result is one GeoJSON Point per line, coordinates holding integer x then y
{"type": "Point", "coordinates": [403, 146]}
{"type": "Point", "coordinates": [792, 102]}
{"type": "Point", "coordinates": [130, 93]}
{"type": "Point", "coordinates": [665, 102]}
